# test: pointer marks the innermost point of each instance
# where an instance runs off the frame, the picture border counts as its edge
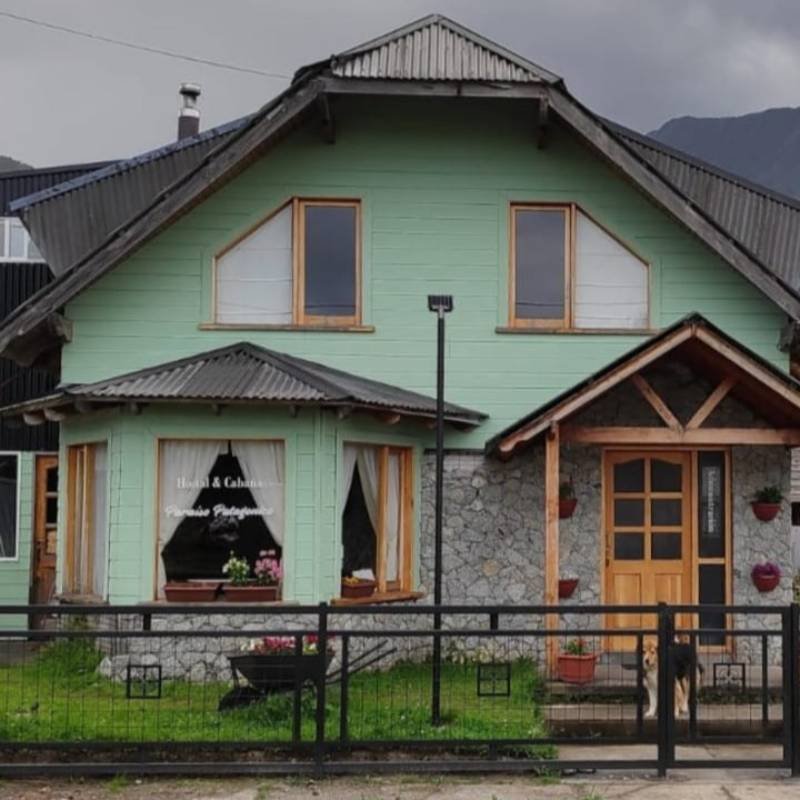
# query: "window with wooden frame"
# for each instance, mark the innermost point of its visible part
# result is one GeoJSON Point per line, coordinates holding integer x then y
{"type": "Point", "coordinates": [377, 516]}
{"type": "Point", "coordinates": [9, 506]}
{"type": "Point", "coordinates": [301, 266]}
{"type": "Point", "coordinates": [570, 273]}
{"type": "Point", "coordinates": [87, 520]}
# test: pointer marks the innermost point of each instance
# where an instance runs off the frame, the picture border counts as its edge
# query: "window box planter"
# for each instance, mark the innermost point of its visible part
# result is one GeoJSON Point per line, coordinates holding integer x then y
{"type": "Point", "coordinates": [192, 591]}
{"type": "Point", "coordinates": [577, 669]}
{"type": "Point", "coordinates": [566, 587]}
{"type": "Point", "coordinates": [249, 593]}
{"type": "Point", "coordinates": [363, 588]}
{"type": "Point", "coordinates": [766, 512]}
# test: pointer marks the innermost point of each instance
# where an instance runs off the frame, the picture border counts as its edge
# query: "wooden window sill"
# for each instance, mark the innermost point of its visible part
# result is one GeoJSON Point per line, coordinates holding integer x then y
{"type": "Point", "coordinates": [581, 331]}
{"type": "Point", "coordinates": [377, 597]}
{"type": "Point", "coordinates": [221, 326]}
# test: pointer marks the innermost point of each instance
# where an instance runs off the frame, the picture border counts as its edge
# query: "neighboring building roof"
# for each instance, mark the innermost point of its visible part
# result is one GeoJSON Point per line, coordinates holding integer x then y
{"type": "Point", "coordinates": [247, 373]}
{"type": "Point", "coordinates": [696, 339]}
{"type": "Point", "coordinates": [766, 222]}
{"type": "Point", "coordinates": [107, 219]}
{"type": "Point", "coordinates": [21, 182]}
{"type": "Point", "coordinates": [436, 48]}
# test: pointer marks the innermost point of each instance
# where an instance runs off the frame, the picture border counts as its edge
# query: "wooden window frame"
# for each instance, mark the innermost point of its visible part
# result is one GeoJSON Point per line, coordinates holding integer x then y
{"type": "Point", "coordinates": [299, 317]}
{"type": "Point", "coordinates": [85, 454]}
{"type": "Point", "coordinates": [15, 557]}
{"type": "Point", "coordinates": [567, 322]}
{"type": "Point", "coordinates": [385, 589]}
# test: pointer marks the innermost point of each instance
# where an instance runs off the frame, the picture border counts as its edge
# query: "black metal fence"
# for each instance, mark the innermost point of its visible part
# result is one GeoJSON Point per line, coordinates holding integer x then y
{"type": "Point", "coordinates": [221, 688]}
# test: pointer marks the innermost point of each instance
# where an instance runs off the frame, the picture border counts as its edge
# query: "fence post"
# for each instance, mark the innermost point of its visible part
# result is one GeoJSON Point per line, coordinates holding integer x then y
{"type": "Point", "coordinates": [322, 655]}
{"type": "Point", "coordinates": [344, 689]}
{"type": "Point", "coordinates": [792, 724]}
{"type": "Point", "coordinates": [666, 692]}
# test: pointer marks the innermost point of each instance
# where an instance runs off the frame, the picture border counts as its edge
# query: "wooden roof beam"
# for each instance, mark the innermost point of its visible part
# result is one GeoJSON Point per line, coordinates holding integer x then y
{"type": "Point", "coordinates": [710, 403]}
{"type": "Point", "coordinates": [655, 400]}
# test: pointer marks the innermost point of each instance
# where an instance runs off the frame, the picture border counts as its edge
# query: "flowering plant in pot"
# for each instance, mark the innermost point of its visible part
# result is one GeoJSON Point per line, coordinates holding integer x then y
{"type": "Point", "coordinates": [767, 503]}
{"type": "Point", "coordinates": [766, 576]}
{"type": "Point", "coordinates": [566, 500]}
{"type": "Point", "coordinates": [576, 662]}
{"type": "Point", "coordinates": [263, 587]}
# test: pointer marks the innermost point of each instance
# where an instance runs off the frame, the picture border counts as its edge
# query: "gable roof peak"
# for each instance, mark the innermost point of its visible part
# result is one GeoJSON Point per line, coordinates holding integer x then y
{"type": "Point", "coordinates": [436, 47]}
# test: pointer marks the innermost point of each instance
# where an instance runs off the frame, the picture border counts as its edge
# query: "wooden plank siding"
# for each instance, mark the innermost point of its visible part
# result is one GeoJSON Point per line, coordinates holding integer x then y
{"type": "Point", "coordinates": [436, 179]}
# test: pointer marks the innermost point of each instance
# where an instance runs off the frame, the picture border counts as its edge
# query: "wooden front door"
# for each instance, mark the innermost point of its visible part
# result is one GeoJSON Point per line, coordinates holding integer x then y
{"type": "Point", "coordinates": [44, 529]}
{"type": "Point", "coordinates": [647, 535]}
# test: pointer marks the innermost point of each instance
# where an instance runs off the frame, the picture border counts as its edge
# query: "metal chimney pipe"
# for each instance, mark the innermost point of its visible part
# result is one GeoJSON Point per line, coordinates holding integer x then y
{"type": "Point", "coordinates": [189, 116]}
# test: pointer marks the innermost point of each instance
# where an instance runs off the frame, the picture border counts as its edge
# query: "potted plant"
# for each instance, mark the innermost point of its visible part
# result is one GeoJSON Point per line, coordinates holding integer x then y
{"type": "Point", "coordinates": [766, 576]}
{"type": "Point", "coordinates": [566, 587]}
{"type": "Point", "coordinates": [357, 587]}
{"type": "Point", "coordinates": [767, 503]}
{"type": "Point", "coordinates": [192, 591]}
{"type": "Point", "coordinates": [566, 500]}
{"type": "Point", "coordinates": [262, 588]}
{"type": "Point", "coordinates": [273, 663]}
{"type": "Point", "coordinates": [576, 662]}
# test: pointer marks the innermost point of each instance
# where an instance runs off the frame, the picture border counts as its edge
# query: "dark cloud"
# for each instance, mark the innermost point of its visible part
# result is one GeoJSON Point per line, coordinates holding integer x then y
{"type": "Point", "coordinates": [637, 61]}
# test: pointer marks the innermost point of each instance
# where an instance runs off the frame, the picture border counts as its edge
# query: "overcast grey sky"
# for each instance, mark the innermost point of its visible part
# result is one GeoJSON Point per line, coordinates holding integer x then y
{"type": "Point", "coordinates": [639, 62]}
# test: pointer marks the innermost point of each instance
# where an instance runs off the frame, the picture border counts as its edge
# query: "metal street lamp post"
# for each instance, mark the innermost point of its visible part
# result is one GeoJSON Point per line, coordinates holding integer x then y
{"type": "Point", "coordinates": [441, 304]}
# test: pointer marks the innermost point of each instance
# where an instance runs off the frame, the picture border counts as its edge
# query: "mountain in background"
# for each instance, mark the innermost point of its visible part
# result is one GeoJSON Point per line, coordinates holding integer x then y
{"type": "Point", "coordinates": [8, 164]}
{"type": "Point", "coordinates": [763, 147]}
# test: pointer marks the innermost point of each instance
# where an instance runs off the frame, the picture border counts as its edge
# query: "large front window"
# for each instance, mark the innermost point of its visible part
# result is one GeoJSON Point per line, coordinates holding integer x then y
{"type": "Point", "coordinates": [377, 516]}
{"type": "Point", "coordinates": [87, 521]}
{"type": "Point", "coordinates": [9, 484]}
{"type": "Point", "coordinates": [217, 496]}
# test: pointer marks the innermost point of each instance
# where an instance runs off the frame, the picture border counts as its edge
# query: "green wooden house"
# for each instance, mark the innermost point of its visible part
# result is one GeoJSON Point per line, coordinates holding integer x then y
{"type": "Point", "coordinates": [247, 360]}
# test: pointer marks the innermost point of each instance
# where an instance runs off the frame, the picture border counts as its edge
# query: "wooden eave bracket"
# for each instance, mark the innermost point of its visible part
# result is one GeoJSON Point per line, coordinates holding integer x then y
{"type": "Point", "coordinates": [36, 346]}
{"type": "Point", "coordinates": [328, 126]}
{"type": "Point", "coordinates": [542, 123]}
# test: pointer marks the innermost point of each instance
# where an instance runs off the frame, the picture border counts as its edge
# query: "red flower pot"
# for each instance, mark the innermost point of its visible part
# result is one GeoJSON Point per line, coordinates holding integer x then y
{"type": "Point", "coordinates": [566, 508]}
{"type": "Point", "coordinates": [576, 669]}
{"type": "Point", "coordinates": [191, 591]}
{"type": "Point", "coordinates": [363, 588]}
{"type": "Point", "coordinates": [250, 593]}
{"type": "Point", "coordinates": [766, 583]}
{"type": "Point", "coordinates": [566, 587]}
{"type": "Point", "coordinates": [766, 512]}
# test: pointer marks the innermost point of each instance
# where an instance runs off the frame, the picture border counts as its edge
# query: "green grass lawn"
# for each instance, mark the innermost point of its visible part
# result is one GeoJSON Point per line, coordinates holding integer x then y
{"type": "Point", "coordinates": [58, 695]}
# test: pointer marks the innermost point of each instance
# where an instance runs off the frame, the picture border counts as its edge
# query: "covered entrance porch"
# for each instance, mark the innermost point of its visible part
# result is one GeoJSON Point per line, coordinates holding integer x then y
{"type": "Point", "coordinates": [664, 450]}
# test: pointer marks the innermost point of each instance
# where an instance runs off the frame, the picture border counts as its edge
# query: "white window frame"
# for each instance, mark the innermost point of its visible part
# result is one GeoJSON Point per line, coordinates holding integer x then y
{"type": "Point", "coordinates": [5, 239]}
{"type": "Point", "coordinates": [10, 559]}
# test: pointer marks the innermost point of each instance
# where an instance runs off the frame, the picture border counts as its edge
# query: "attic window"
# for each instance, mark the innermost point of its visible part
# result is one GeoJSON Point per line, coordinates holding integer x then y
{"type": "Point", "coordinates": [569, 273]}
{"type": "Point", "coordinates": [15, 243]}
{"type": "Point", "coordinates": [300, 266]}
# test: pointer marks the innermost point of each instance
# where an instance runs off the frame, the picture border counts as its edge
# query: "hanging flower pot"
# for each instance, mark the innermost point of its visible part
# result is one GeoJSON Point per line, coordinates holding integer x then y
{"type": "Point", "coordinates": [766, 577]}
{"type": "Point", "coordinates": [567, 501]}
{"type": "Point", "coordinates": [566, 587]}
{"type": "Point", "coordinates": [767, 503]}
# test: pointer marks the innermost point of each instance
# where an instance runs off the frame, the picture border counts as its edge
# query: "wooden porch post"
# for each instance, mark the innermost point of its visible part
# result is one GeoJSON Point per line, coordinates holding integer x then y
{"type": "Point", "coordinates": [551, 566]}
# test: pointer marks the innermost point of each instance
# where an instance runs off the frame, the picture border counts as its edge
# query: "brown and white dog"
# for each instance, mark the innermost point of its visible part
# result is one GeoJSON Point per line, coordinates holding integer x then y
{"type": "Point", "coordinates": [681, 657]}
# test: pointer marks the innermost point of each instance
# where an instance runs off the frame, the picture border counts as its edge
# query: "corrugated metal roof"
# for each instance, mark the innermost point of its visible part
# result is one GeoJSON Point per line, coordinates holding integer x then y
{"type": "Point", "coordinates": [435, 48]}
{"type": "Point", "coordinates": [245, 372]}
{"type": "Point", "coordinates": [18, 183]}
{"type": "Point", "coordinates": [70, 220]}
{"type": "Point", "coordinates": [767, 223]}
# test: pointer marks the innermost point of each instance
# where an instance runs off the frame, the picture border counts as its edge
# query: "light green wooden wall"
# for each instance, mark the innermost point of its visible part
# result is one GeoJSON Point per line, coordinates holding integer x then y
{"type": "Point", "coordinates": [436, 178]}
{"type": "Point", "coordinates": [313, 441]}
{"type": "Point", "coordinates": [15, 575]}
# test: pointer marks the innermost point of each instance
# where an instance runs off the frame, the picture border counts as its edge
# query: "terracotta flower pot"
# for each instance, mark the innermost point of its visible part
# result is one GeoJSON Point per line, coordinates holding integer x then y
{"type": "Point", "coordinates": [250, 593]}
{"type": "Point", "coordinates": [363, 588]}
{"type": "Point", "coordinates": [566, 508]}
{"type": "Point", "coordinates": [766, 583]}
{"type": "Point", "coordinates": [191, 591]}
{"type": "Point", "coordinates": [566, 587]}
{"type": "Point", "coordinates": [766, 512]}
{"type": "Point", "coordinates": [576, 669]}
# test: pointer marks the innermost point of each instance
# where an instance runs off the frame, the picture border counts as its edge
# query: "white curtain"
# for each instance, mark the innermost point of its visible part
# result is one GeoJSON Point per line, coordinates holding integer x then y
{"type": "Point", "coordinates": [262, 464]}
{"type": "Point", "coordinates": [368, 471]}
{"type": "Point", "coordinates": [392, 529]}
{"type": "Point", "coordinates": [348, 471]}
{"type": "Point", "coordinates": [99, 531]}
{"type": "Point", "coordinates": [184, 465]}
